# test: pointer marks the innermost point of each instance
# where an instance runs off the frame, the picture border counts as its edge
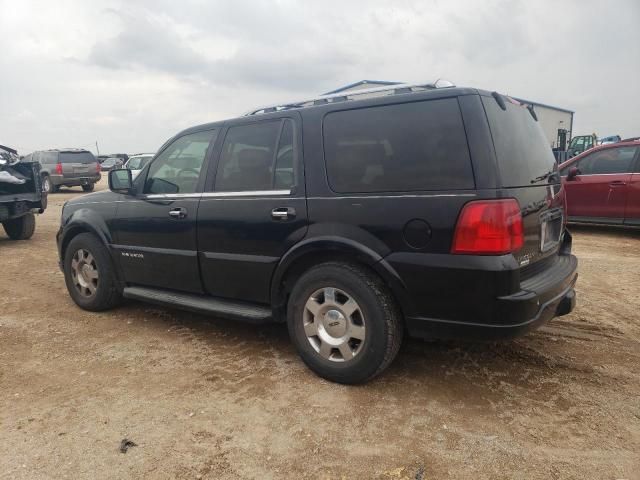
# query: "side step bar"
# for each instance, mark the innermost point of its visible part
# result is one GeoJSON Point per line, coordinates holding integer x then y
{"type": "Point", "coordinates": [201, 304]}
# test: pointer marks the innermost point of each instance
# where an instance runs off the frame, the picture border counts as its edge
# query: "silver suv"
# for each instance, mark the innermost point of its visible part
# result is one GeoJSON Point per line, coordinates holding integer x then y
{"type": "Point", "coordinates": [67, 168]}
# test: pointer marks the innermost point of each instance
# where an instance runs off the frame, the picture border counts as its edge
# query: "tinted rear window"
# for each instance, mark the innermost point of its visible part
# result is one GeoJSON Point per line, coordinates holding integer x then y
{"type": "Point", "coordinates": [523, 151]}
{"type": "Point", "coordinates": [398, 148]}
{"type": "Point", "coordinates": [80, 157]}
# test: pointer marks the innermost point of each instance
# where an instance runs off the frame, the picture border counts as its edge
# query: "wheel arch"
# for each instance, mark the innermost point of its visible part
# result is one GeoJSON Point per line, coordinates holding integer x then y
{"type": "Point", "coordinates": [87, 221]}
{"type": "Point", "coordinates": [315, 251]}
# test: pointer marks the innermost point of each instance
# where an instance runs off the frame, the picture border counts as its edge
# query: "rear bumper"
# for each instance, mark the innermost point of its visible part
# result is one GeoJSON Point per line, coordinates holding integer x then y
{"type": "Point", "coordinates": [540, 299]}
{"type": "Point", "coordinates": [18, 205]}
{"type": "Point", "coordinates": [61, 180]}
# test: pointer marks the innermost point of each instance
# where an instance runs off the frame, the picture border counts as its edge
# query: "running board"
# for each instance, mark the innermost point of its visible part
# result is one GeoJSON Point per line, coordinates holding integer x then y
{"type": "Point", "coordinates": [201, 304]}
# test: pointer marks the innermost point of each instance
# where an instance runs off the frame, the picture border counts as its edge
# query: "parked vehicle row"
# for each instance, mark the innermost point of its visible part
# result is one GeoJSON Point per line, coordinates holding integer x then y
{"type": "Point", "coordinates": [433, 211]}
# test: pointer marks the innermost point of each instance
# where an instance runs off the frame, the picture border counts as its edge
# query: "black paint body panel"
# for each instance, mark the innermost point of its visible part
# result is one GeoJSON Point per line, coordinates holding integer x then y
{"type": "Point", "coordinates": [231, 248]}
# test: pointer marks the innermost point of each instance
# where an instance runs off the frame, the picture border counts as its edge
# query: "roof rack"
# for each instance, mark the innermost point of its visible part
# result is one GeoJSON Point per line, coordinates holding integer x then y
{"type": "Point", "coordinates": [346, 96]}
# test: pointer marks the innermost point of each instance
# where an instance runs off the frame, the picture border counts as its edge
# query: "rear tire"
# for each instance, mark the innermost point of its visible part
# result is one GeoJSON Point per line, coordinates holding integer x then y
{"type": "Point", "coordinates": [344, 322]}
{"type": "Point", "coordinates": [20, 228]}
{"type": "Point", "coordinates": [46, 184]}
{"type": "Point", "coordinates": [90, 275]}
{"type": "Point", "coordinates": [88, 188]}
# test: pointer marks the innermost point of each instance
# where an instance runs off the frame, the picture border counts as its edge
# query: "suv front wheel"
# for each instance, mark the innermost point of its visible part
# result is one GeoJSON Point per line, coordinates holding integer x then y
{"type": "Point", "coordinates": [344, 322]}
{"type": "Point", "coordinates": [89, 274]}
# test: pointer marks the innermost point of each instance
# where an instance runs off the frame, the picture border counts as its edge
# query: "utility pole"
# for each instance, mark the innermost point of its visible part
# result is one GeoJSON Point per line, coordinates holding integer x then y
{"type": "Point", "coordinates": [97, 149]}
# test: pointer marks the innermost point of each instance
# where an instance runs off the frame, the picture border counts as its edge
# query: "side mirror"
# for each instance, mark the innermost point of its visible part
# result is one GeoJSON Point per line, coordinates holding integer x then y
{"type": "Point", "coordinates": [120, 181]}
{"type": "Point", "coordinates": [573, 173]}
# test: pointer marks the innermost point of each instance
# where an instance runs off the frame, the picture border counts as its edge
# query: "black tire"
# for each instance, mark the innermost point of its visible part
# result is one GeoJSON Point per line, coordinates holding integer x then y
{"type": "Point", "coordinates": [20, 228]}
{"type": "Point", "coordinates": [47, 186]}
{"type": "Point", "coordinates": [107, 293]}
{"type": "Point", "coordinates": [88, 188]}
{"type": "Point", "coordinates": [55, 188]}
{"type": "Point", "coordinates": [380, 316]}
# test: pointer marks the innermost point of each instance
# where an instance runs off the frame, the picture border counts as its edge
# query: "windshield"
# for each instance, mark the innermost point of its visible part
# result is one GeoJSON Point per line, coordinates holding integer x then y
{"type": "Point", "coordinates": [109, 161]}
{"type": "Point", "coordinates": [522, 149]}
{"type": "Point", "coordinates": [76, 157]}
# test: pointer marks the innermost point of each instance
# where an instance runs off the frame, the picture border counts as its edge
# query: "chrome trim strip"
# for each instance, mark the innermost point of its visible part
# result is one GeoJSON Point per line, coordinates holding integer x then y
{"type": "Point", "coordinates": [170, 196]}
{"type": "Point", "coordinates": [251, 193]}
{"type": "Point", "coordinates": [435, 195]}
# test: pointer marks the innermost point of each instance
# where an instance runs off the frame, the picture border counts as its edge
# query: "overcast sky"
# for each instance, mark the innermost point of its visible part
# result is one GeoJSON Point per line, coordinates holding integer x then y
{"type": "Point", "coordinates": [131, 74]}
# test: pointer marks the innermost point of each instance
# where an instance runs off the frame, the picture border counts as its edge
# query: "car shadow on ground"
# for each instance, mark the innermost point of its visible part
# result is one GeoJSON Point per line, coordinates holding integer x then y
{"type": "Point", "coordinates": [448, 367]}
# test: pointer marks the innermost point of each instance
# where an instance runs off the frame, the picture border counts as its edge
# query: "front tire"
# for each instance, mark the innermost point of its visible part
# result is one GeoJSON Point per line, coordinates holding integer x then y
{"type": "Point", "coordinates": [20, 228]}
{"type": "Point", "coordinates": [88, 188]}
{"type": "Point", "coordinates": [344, 322]}
{"type": "Point", "coordinates": [89, 274]}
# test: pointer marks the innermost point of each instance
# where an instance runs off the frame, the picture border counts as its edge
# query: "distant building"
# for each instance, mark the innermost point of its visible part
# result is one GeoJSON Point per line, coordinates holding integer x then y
{"type": "Point", "coordinates": [556, 122]}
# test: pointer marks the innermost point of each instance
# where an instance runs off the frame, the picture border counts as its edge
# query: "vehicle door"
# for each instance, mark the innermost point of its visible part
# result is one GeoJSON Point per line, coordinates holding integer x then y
{"type": "Point", "coordinates": [632, 210]}
{"type": "Point", "coordinates": [254, 207]}
{"type": "Point", "coordinates": [155, 229]}
{"type": "Point", "coordinates": [600, 188]}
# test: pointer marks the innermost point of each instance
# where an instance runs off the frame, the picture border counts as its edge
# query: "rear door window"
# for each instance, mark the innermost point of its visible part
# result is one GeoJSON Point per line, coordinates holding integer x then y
{"type": "Point", "coordinates": [257, 157]}
{"type": "Point", "coordinates": [398, 148]}
{"type": "Point", "coordinates": [522, 149]}
{"type": "Point", "coordinates": [76, 157]}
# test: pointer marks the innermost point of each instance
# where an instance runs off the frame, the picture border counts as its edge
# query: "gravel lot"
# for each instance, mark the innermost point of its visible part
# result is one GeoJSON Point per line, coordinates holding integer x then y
{"type": "Point", "coordinates": [207, 398]}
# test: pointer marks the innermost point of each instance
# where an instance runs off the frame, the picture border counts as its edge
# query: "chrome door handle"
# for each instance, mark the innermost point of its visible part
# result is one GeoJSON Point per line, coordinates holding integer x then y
{"type": "Point", "coordinates": [617, 183]}
{"type": "Point", "coordinates": [283, 213]}
{"type": "Point", "coordinates": [178, 213]}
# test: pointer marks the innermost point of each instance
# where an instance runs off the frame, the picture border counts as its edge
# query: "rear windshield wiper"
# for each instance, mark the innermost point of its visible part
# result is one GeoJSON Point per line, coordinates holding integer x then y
{"type": "Point", "coordinates": [551, 175]}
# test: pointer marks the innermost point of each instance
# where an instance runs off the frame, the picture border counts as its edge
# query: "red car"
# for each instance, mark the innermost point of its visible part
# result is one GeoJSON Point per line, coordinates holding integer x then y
{"type": "Point", "coordinates": [603, 185]}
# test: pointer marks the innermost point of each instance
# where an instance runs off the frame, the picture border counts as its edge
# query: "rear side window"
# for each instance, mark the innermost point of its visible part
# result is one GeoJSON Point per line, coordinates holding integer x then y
{"type": "Point", "coordinates": [523, 151]}
{"type": "Point", "coordinates": [398, 148]}
{"type": "Point", "coordinates": [79, 157]}
{"type": "Point", "coordinates": [48, 157]}
{"type": "Point", "coordinates": [257, 157]}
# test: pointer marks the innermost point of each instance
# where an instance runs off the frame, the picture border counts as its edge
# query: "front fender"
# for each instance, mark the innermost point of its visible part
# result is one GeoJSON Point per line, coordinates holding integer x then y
{"type": "Point", "coordinates": [84, 220]}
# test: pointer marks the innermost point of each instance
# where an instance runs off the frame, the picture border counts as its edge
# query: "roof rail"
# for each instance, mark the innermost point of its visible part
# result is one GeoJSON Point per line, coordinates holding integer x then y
{"type": "Point", "coordinates": [346, 96]}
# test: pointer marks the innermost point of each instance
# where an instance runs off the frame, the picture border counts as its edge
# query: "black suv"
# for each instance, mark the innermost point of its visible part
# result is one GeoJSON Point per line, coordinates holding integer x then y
{"type": "Point", "coordinates": [432, 211]}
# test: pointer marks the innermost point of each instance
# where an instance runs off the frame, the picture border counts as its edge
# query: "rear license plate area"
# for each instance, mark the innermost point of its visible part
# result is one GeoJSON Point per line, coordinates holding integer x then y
{"type": "Point", "coordinates": [550, 230]}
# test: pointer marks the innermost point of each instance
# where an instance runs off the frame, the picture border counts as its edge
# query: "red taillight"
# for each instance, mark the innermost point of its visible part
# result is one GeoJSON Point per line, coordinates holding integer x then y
{"type": "Point", "coordinates": [59, 168]}
{"type": "Point", "coordinates": [97, 167]}
{"type": "Point", "coordinates": [489, 227]}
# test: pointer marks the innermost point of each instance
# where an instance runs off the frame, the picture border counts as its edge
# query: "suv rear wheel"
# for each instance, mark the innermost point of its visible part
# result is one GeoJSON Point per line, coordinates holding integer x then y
{"type": "Point", "coordinates": [344, 322]}
{"type": "Point", "coordinates": [88, 188]}
{"type": "Point", "coordinates": [46, 184]}
{"type": "Point", "coordinates": [20, 228]}
{"type": "Point", "coordinates": [89, 274]}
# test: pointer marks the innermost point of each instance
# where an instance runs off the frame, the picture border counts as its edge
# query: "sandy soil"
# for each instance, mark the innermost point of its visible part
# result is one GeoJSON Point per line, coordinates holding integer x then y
{"type": "Point", "coordinates": [206, 398]}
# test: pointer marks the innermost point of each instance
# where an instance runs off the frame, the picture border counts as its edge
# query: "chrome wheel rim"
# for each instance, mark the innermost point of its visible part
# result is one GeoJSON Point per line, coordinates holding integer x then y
{"type": "Point", "coordinates": [334, 324]}
{"type": "Point", "coordinates": [84, 273]}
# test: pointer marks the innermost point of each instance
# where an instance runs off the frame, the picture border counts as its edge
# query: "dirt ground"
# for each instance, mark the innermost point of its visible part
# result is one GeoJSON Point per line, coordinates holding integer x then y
{"type": "Point", "coordinates": [207, 398]}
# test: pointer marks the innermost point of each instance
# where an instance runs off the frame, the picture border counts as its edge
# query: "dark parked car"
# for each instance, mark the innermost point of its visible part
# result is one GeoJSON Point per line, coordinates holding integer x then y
{"type": "Point", "coordinates": [67, 168]}
{"type": "Point", "coordinates": [21, 194]}
{"type": "Point", "coordinates": [111, 163]}
{"type": "Point", "coordinates": [435, 211]}
{"type": "Point", "coordinates": [603, 185]}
